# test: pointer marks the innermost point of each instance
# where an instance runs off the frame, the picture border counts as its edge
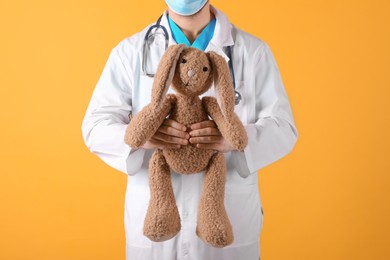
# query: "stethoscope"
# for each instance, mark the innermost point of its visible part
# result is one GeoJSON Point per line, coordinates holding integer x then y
{"type": "Point", "coordinates": [166, 36]}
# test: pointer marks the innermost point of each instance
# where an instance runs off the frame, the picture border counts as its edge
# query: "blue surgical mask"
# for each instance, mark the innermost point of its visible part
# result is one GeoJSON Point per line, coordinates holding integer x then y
{"type": "Point", "coordinates": [186, 7]}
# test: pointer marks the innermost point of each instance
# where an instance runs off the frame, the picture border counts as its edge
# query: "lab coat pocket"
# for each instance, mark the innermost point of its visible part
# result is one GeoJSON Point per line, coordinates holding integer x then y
{"type": "Point", "coordinates": [241, 109]}
{"type": "Point", "coordinates": [244, 211]}
{"type": "Point", "coordinates": [136, 205]}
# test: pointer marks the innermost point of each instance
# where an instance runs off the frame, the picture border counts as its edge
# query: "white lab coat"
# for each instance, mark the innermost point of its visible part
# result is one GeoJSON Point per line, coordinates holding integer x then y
{"type": "Point", "coordinates": [264, 110]}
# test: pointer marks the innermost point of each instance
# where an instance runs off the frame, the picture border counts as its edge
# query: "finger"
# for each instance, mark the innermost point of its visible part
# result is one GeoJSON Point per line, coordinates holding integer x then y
{"type": "Point", "coordinates": [161, 144]}
{"type": "Point", "coordinates": [169, 139]}
{"type": "Point", "coordinates": [174, 124]}
{"type": "Point", "coordinates": [205, 131]}
{"type": "Point", "coordinates": [173, 131]}
{"type": "Point", "coordinates": [203, 124]}
{"type": "Point", "coordinates": [206, 139]}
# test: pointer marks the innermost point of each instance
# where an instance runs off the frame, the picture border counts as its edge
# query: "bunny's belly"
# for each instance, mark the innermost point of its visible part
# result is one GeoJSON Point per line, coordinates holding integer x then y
{"type": "Point", "coordinates": [188, 159]}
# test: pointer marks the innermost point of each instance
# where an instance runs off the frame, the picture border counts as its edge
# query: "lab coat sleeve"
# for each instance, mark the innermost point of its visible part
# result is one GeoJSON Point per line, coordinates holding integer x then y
{"type": "Point", "coordinates": [273, 134]}
{"type": "Point", "coordinates": [107, 117]}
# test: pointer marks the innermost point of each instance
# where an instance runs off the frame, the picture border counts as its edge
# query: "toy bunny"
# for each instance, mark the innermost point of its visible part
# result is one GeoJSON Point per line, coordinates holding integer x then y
{"type": "Point", "coordinates": [190, 72]}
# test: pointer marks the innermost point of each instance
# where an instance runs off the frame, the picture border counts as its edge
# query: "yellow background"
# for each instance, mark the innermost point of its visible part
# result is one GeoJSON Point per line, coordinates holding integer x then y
{"type": "Point", "coordinates": [328, 199]}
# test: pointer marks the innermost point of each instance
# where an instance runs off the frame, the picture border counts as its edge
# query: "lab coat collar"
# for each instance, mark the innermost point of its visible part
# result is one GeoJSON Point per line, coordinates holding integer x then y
{"type": "Point", "coordinates": [222, 34]}
{"type": "Point", "coordinates": [223, 29]}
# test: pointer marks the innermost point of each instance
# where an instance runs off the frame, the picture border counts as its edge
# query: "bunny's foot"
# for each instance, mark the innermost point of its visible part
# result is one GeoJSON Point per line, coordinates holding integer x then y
{"type": "Point", "coordinates": [213, 226]}
{"type": "Point", "coordinates": [161, 223]}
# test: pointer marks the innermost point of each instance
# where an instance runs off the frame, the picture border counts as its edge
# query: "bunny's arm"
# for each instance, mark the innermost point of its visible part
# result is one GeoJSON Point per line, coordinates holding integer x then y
{"type": "Point", "coordinates": [231, 129]}
{"type": "Point", "coordinates": [146, 122]}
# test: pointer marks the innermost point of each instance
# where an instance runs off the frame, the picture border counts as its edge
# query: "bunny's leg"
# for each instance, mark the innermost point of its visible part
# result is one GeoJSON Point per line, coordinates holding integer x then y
{"type": "Point", "coordinates": [162, 220]}
{"type": "Point", "coordinates": [213, 225]}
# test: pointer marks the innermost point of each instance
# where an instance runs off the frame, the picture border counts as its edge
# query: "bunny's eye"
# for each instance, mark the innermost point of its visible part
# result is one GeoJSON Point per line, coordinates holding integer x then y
{"type": "Point", "coordinates": [205, 69]}
{"type": "Point", "coordinates": [183, 61]}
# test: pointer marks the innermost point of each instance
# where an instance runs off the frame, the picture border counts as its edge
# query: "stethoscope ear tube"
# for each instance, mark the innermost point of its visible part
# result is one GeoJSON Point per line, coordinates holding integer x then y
{"type": "Point", "coordinates": [146, 39]}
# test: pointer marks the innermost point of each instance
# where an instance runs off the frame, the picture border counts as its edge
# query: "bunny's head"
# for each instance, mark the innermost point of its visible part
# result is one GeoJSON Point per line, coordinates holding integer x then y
{"type": "Point", "coordinates": [191, 72]}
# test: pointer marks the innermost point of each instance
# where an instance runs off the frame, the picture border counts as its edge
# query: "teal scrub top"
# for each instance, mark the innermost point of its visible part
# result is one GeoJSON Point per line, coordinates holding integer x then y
{"type": "Point", "coordinates": [200, 42]}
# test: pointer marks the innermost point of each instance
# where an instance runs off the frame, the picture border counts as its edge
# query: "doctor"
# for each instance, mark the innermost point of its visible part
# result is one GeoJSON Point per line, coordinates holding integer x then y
{"type": "Point", "coordinates": [124, 89]}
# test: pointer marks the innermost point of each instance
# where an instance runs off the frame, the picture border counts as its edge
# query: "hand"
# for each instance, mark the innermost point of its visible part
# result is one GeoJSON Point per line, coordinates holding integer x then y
{"type": "Point", "coordinates": [206, 135]}
{"type": "Point", "coordinates": [170, 134]}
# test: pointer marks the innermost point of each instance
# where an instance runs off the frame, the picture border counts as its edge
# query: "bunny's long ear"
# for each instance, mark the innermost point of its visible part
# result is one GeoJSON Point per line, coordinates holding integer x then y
{"type": "Point", "coordinates": [223, 84]}
{"type": "Point", "coordinates": [165, 72]}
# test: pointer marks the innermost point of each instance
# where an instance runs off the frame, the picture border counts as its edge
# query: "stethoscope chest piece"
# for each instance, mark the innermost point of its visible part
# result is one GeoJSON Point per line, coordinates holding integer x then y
{"type": "Point", "coordinates": [237, 97]}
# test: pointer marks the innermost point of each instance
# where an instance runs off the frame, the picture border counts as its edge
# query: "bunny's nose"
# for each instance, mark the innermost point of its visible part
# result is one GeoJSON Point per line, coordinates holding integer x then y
{"type": "Point", "coordinates": [191, 73]}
